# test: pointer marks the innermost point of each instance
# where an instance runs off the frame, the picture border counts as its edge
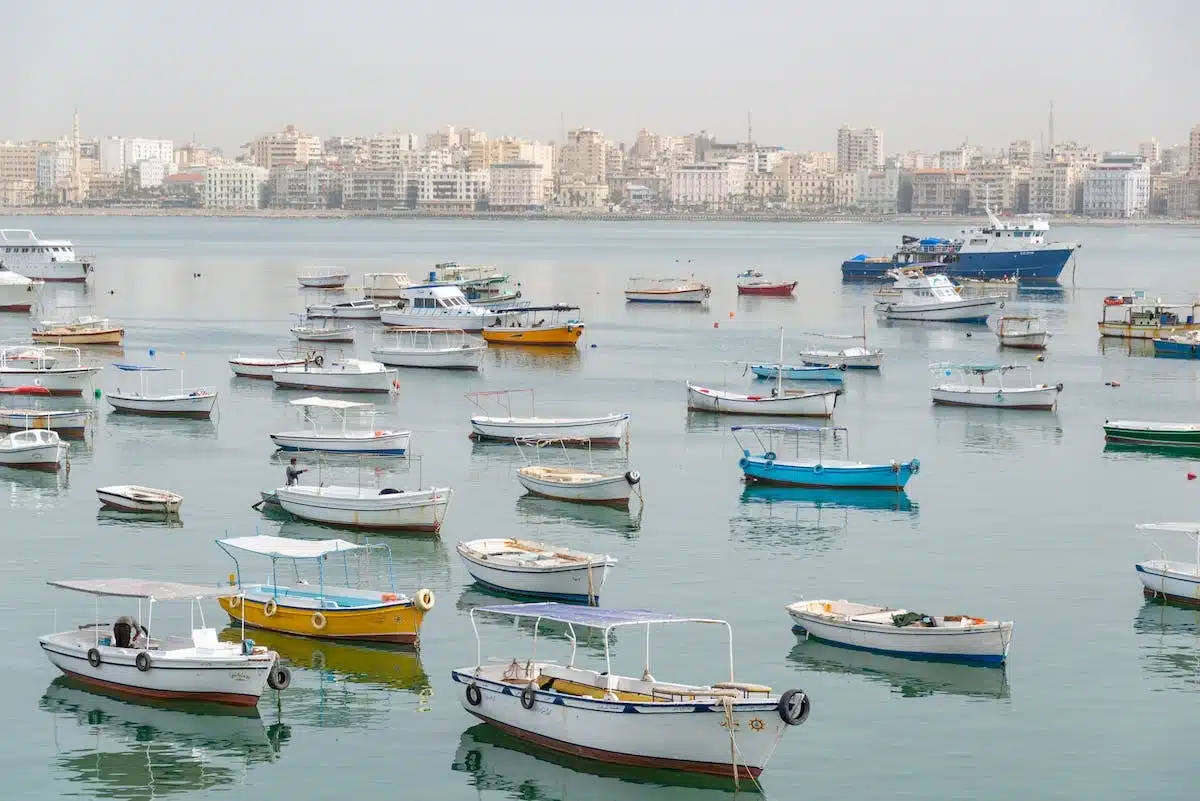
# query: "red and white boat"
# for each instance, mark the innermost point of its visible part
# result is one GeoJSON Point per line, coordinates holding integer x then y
{"type": "Point", "coordinates": [752, 282]}
{"type": "Point", "coordinates": [17, 293]}
{"type": "Point", "coordinates": [261, 366]}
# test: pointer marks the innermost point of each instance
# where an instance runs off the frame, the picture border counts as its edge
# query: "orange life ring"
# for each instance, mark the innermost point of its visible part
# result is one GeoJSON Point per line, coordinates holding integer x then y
{"type": "Point", "coordinates": [379, 433]}
{"type": "Point", "coordinates": [318, 621]}
{"type": "Point", "coordinates": [270, 607]}
{"type": "Point", "coordinates": [977, 621]}
{"type": "Point", "coordinates": [389, 596]}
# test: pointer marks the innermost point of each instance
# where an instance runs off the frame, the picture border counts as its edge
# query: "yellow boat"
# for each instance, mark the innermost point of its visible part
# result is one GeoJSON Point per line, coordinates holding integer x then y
{"type": "Point", "coordinates": [528, 327]}
{"type": "Point", "coordinates": [323, 611]}
{"type": "Point", "coordinates": [86, 330]}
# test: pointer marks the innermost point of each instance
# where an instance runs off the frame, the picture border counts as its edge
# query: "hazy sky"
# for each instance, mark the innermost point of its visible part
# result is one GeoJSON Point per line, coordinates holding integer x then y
{"type": "Point", "coordinates": [928, 73]}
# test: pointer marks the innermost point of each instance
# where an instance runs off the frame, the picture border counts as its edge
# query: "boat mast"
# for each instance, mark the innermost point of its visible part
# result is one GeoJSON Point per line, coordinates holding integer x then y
{"type": "Point", "coordinates": [779, 368]}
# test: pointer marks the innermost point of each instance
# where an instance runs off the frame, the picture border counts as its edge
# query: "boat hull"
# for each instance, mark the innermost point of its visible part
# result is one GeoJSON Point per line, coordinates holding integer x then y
{"type": "Point", "coordinates": [333, 380]}
{"type": "Point", "coordinates": [681, 296]}
{"type": "Point", "coordinates": [810, 373]}
{"type": "Point", "coordinates": [1135, 433]}
{"type": "Point", "coordinates": [579, 584]}
{"type": "Point", "coordinates": [985, 645]}
{"type": "Point", "coordinates": [234, 682]}
{"type": "Point", "coordinates": [128, 503]}
{"type": "Point", "coordinates": [1031, 398]}
{"type": "Point", "coordinates": [975, 310]}
{"type": "Point", "coordinates": [1159, 581]}
{"type": "Point", "coordinates": [110, 336]}
{"type": "Point", "coordinates": [198, 406]}
{"type": "Point", "coordinates": [382, 443]}
{"type": "Point", "coordinates": [57, 380]}
{"type": "Point", "coordinates": [48, 458]}
{"type": "Point", "coordinates": [260, 369]}
{"type": "Point", "coordinates": [323, 281]}
{"type": "Point", "coordinates": [812, 404]}
{"type": "Point", "coordinates": [780, 290]}
{"type": "Point", "coordinates": [422, 510]}
{"type": "Point", "coordinates": [65, 423]}
{"type": "Point", "coordinates": [686, 736]}
{"type": "Point", "coordinates": [612, 490]}
{"type": "Point", "coordinates": [869, 360]}
{"type": "Point", "coordinates": [609, 430]}
{"type": "Point", "coordinates": [396, 623]}
{"type": "Point", "coordinates": [468, 358]}
{"type": "Point", "coordinates": [471, 321]}
{"type": "Point", "coordinates": [1176, 350]}
{"type": "Point", "coordinates": [554, 336]}
{"type": "Point", "coordinates": [1036, 341]}
{"type": "Point", "coordinates": [1121, 330]}
{"type": "Point", "coordinates": [893, 477]}
{"type": "Point", "coordinates": [1042, 265]}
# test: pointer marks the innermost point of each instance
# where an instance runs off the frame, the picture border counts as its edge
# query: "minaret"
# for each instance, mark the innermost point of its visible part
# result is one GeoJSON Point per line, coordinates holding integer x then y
{"type": "Point", "coordinates": [1052, 129]}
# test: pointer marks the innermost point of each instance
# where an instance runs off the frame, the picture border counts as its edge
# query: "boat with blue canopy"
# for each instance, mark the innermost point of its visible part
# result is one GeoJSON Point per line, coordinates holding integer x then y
{"type": "Point", "coordinates": [187, 402]}
{"type": "Point", "coordinates": [761, 462]}
{"type": "Point", "coordinates": [727, 728]}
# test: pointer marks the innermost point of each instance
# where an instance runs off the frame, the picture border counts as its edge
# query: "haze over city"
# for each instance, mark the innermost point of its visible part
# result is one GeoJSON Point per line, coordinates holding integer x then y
{"type": "Point", "coordinates": [930, 74]}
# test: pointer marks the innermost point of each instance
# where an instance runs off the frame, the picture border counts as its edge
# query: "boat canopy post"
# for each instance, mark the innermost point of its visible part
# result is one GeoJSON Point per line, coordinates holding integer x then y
{"type": "Point", "coordinates": [729, 631]}
{"type": "Point", "coordinates": [320, 577]}
{"type": "Point", "coordinates": [646, 675]}
{"type": "Point", "coordinates": [571, 637]}
{"type": "Point", "coordinates": [478, 645]}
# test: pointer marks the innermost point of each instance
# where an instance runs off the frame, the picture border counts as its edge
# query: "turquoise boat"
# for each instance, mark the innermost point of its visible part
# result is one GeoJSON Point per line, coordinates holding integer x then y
{"type": "Point", "coordinates": [761, 462]}
{"type": "Point", "coordinates": [801, 373]}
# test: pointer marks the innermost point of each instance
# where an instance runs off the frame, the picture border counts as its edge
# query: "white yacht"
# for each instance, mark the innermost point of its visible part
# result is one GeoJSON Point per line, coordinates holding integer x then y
{"type": "Point", "coordinates": [917, 296]}
{"type": "Point", "coordinates": [41, 259]}
{"type": "Point", "coordinates": [440, 306]}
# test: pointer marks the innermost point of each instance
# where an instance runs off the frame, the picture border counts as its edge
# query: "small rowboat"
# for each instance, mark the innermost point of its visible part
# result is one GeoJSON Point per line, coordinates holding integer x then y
{"type": "Point", "coordinates": [131, 498]}
{"type": "Point", "coordinates": [954, 638]}
{"type": "Point", "coordinates": [323, 278]}
{"type": "Point", "coordinates": [1022, 332]}
{"type": "Point", "coordinates": [323, 333]}
{"type": "Point", "coordinates": [34, 449]}
{"type": "Point", "coordinates": [536, 570]}
{"type": "Point", "coordinates": [261, 367]}
{"type": "Point", "coordinates": [752, 282]}
{"type": "Point", "coordinates": [580, 486]}
{"type": "Point", "coordinates": [834, 372]}
{"type": "Point", "coordinates": [789, 404]}
{"type": "Point", "coordinates": [1159, 435]}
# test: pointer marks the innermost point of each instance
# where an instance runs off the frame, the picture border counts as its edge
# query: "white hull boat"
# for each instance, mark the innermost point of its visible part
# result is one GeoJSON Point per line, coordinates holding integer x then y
{"type": "Point", "coordinates": [607, 430]}
{"type": "Point", "coordinates": [377, 443]}
{"type": "Point", "coordinates": [366, 508]}
{"type": "Point", "coordinates": [58, 380]}
{"type": "Point", "coordinates": [1167, 579]}
{"type": "Point", "coordinates": [964, 311]}
{"type": "Point", "coordinates": [439, 306]}
{"type": "Point", "coordinates": [131, 498]}
{"type": "Point", "coordinates": [1043, 397]}
{"type": "Point", "coordinates": [198, 403]}
{"type": "Point", "coordinates": [388, 286]}
{"type": "Point", "coordinates": [257, 367]}
{"type": "Point", "coordinates": [666, 290]}
{"type": "Point", "coordinates": [854, 358]}
{"type": "Point", "coordinates": [66, 423]}
{"type": "Point", "coordinates": [441, 348]}
{"type": "Point", "coordinates": [323, 278]}
{"type": "Point", "coordinates": [17, 293]}
{"type": "Point", "coordinates": [350, 310]}
{"type": "Point", "coordinates": [42, 259]}
{"type": "Point", "coordinates": [729, 729]}
{"type": "Point", "coordinates": [347, 375]}
{"type": "Point", "coordinates": [579, 486]}
{"type": "Point", "coordinates": [917, 296]}
{"type": "Point", "coordinates": [35, 449]}
{"type": "Point", "coordinates": [957, 638]}
{"type": "Point", "coordinates": [1022, 332]}
{"type": "Point", "coordinates": [536, 570]}
{"type": "Point", "coordinates": [331, 333]}
{"type": "Point", "coordinates": [786, 404]}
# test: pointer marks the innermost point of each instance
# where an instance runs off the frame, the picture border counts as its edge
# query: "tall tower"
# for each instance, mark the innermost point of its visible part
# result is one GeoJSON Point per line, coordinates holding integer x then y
{"type": "Point", "coordinates": [749, 131]}
{"type": "Point", "coordinates": [75, 190]}
{"type": "Point", "coordinates": [1052, 128]}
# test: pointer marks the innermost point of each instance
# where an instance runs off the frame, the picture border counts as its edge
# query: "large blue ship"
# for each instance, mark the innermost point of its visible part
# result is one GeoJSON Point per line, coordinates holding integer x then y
{"type": "Point", "coordinates": [1014, 248]}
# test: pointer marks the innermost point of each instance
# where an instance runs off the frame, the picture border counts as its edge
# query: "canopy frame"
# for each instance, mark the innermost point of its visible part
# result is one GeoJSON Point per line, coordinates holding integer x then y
{"type": "Point", "coordinates": [230, 544]}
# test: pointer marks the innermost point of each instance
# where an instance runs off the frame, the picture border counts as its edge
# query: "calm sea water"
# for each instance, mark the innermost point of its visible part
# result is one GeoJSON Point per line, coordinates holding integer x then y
{"type": "Point", "coordinates": [1020, 516]}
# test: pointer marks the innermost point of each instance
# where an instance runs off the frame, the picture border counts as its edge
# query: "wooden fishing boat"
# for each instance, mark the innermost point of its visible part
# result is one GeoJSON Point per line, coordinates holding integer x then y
{"type": "Point", "coordinates": [955, 638]}
{"type": "Point", "coordinates": [752, 282]}
{"type": "Point", "coordinates": [529, 326]}
{"type": "Point", "coordinates": [323, 278]}
{"type": "Point", "coordinates": [786, 404]}
{"type": "Point", "coordinates": [789, 372]}
{"type": "Point", "coordinates": [344, 375]}
{"type": "Point", "coordinates": [367, 508]}
{"type": "Point", "coordinates": [609, 429]}
{"type": "Point", "coordinates": [1162, 435]}
{"type": "Point", "coordinates": [323, 610]}
{"type": "Point", "coordinates": [261, 367]}
{"type": "Point", "coordinates": [1179, 346]}
{"type": "Point", "coordinates": [569, 483]}
{"type": "Point", "coordinates": [763, 464]}
{"type": "Point", "coordinates": [1143, 319]}
{"type": "Point", "coordinates": [1170, 580]}
{"type": "Point", "coordinates": [666, 290]}
{"type": "Point", "coordinates": [855, 357]}
{"type": "Point", "coordinates": [305, 331]}
{"type": "Point", "coordinates": [1000, 394]}
{"type": "Point", "coordinates": [60, 370]}
{"type": "Point", "coordinates": [125, 659]}
{"type": "Point", "coordinates": [84, 330]}
{"type": "Point", "coordinates": [132, 498]}
{"type": "Point", "coordinates": [1022, 332]}
{"type": "Point", "coordinates": [68, 423]}
{"type": "Point", "coordinates": [728, 729]}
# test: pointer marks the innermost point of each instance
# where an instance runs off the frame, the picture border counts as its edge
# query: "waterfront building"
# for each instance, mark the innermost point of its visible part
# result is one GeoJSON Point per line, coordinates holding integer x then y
{"type": "Point", "coordinates": [117, 154]}
{"type": "Point", "coordinates": [150, 173]}
{"type": "Point", "coordinates": [1180, 195]}
{"type": "Point", "coordinates": [448, 189]}
{"type": "Point", "coordinates": [375, 188]}
{"type": "Point", "coordinates": [289, 146]}
{"type": "Point", "coordinates": [1056, 188]}
{"type": "Point", "coordinates": [708, 186]}
{"type": "Point", "coordinates": [766, 190]}
{"type": "Point", "coordinates": [877, 191]}
{"type": "Point", "coordinates": [516, 186]}
{"type": "Point", "coordinates": [18, 162]}
{"type": "Point", "coordinates": [1194, 152]}
{"type": "Point", "coordinates": [234, 186]}
{"type": "Point", "coordinates": [579, 194]}
{"type": "Point", "coordinates": [859, 149]}
{"type": "Point", "coordinates": [584, 156]}
{"type": "Point", "coordinates": [1151, 153]}
{"type": "Point", "coordinates": [992, 184]}
{"type": "Point", "coordinates": [391, 150]}
{"type": "Point", "coordinates": [940, 191]}
{"type": "Point", "coordinates": [1118, 187]}
{"type": "Point", "coordinates": [812, 190]}
{"type": "Point", "coordinates": [309, 186]}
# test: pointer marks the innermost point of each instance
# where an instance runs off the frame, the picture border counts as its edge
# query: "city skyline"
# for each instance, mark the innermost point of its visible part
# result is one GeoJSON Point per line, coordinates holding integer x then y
{"type": "Point", "coordinates": [1118, 76]}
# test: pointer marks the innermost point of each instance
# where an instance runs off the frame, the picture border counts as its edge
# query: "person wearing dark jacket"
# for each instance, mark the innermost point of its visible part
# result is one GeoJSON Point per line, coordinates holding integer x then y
{"type": "Point", "coordinates": [293, 472]}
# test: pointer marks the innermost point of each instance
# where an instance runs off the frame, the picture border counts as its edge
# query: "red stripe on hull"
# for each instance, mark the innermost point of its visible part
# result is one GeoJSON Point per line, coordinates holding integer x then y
{"type": "Point", "coordinates": [778, 291]}
{"type": "Point", "coordinates": [616, 758]}
{"type": "Point", "coordinates": [314, 387]}
{"type": "Point", "coordinates": [48, 467]}
{"type": "Point", "coordinates": [20, 307]}
{"type": "Point", "coordinates": [232, 699]}
{"type": "Point", "coordinates": [82, 279]}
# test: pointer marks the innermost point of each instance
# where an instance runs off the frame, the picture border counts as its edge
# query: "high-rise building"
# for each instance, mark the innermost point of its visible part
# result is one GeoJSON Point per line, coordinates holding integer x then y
{"type": "Point", "coordinates": [233, 186]}
{"type": "Point", "coordinates": [584, 156]}
{"type": "Point", "coordinates": [1194, 153]}
{"type": "Point", "coordinates": [859, 149]}
{"type": "Point", "coordinates": [1150, 151]}
{"type": "Point", "coordinates": [289, 146]}
{"type": "Point", "coordinates": [390, 150]}
{"type": "Point", "coordinates": [1117, 187]}
{"type": "Point", "coordinates": [1020, 152]}
{"type": "Point", "coordinates": [516, 186]}
{"type": "Point", "coordinates": [1175, 159]}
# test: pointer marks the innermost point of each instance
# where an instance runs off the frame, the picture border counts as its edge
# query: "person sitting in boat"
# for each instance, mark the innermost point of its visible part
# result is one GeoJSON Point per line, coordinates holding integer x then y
{"type": "Point", "coordinates": [127, 633]}
{"type": "Point", "coordinates": [293, 472]}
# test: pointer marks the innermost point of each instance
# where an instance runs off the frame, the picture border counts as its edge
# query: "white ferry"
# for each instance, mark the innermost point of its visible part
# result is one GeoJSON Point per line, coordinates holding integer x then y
{"type": "Point", "coordinates": [441, 306]}
{"type": "Point", "coordinates": [41, 259]}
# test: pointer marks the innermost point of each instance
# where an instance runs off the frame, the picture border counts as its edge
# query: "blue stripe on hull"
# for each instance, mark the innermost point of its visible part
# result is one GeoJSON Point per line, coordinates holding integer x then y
{"type": "Point", "coordinates": [983, 660]}
{"type": "Point", "coordinates": [552, 596]}
{"type": "Point", "coordinates": [388, 452]}
{"type": "Point", "coordinates": [1037, 265]}
{"type": "Point", "coordinates": [878, 477]}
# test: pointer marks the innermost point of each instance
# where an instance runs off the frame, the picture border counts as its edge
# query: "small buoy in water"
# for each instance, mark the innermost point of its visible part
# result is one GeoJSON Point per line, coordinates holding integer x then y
{"type": "Point", "coordinates": [968, 335]}
{"type": "Point", "coordinates": [731, 315]}
{"type": "Point", "coordinates": [1191, 476]}
{"type": "Point", "coordinates": [1041, 357]}
{"type": "Point", "coordinates": [1112, 383]}
{"type": "Point", "coordinates": [716, 324]}
{"type": "Point", "coordinates": [151, 351]}
{"type": "Point", "coordinates": [111, 292]}
{"type": "Point", "coordinates": [593, 344]}
{"type": "Point", "coordinates": [96, 393]}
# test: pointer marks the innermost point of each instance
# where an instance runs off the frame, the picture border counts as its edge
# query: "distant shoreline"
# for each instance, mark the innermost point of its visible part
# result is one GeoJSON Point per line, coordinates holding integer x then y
{"type": "Point", "coordinates": [558, 215]}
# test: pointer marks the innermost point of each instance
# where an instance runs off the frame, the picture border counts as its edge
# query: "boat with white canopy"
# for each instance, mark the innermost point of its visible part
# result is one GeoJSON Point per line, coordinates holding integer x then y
{"type": "Point", "coordinates": [954, 638]}
{"type": "Point", "coordinates": [1001, 393]}
{"type": "Point", "coordinates": [58, 369]}
{"type": "Point", "coordinates": [365, 309]}
{"type": "Point", "coordinates": [125, 658]}
{"type": "Point", "coordinates": [855, 357]}
{"type": "Point", "coordinates": [323, 610]}
{"type": "Point", "coordinates": [609, 429]}
{"type": "Point", "coordinates": [535, 569]}
{"type": "Point", "coordinates": [442, 348]}
{"type": "Point", "coordinates": [764, 465]}
{"type": "Point", "coordinates": [132, 498]}
{"type": "Point", "coordinates": [196, 402]}
{"type": "Point", "coordinates": [307, 331]}
{"type": "Point", "coordinates": [728, 728]}
{"type": "Point", "coordinates": [334, 432]}
{"type": "Point", "coordinates": [1173, 581]}
{"type": "Point", "coordinates": [666, 290]}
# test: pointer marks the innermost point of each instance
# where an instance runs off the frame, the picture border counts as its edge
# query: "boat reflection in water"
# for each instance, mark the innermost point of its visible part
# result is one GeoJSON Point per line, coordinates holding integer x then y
{"type": "Point", "coordinates": [988, 431]}
{"type": "Point", "coordinates": [837, 498]}
{"type": "Point", "coordinates": [1139, 452]}
{"type": "Point", "coordinates": [135, 429]}
{"type": "Point", "coordinates": [496, 762]}
{"type": "Point", "coordinates": [115, 517]}
{"type": "Point", "coordinates": [1169, 644]}
{"type": "Point", "coordinates": [33, 489]}
{"type": "Point", "coordinates": [910, 678]}
{"type": "Point", "coordinates": [565, 359]}
{"type": "Point", "coordinates": [533, 510]}
{"type": "Point", "coordinates": [149, 750]}
{"type": "Point", "coordinates": [1120, 346]}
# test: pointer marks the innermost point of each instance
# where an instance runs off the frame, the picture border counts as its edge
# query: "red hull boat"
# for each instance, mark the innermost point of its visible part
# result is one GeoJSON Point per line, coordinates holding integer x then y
{"type": "Point", "coordinates": [776, 289]}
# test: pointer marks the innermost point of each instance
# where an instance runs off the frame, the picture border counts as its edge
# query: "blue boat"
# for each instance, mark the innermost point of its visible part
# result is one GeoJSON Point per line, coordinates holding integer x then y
{"type": "Point", "coordinates": [803, 373]}
{"type": "Point", "coordinates": [1182, 346]}
{"type": "Point", "coordinates": [762, 464]}
{"type": "Point", "coordinates": [1001, 249]}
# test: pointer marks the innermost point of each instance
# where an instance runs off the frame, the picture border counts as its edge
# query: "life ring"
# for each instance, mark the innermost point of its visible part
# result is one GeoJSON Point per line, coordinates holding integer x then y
{"type": "Point", "coordinates": [978, 621]}
{"type": "Point", "coordinates": [633, 477]}
{"type": "Point", "coordinates": [318, 360]}
{"type": "Point", "coordinates": [915, 466]}
{"type": "Point", "coordinates": [235, 601]}
{"type": "Point", "coordinates": [379, 433]}
{"type": "Point", "coordinates": [424, 600]}
{"type": "Point", "coordinates": [770, 456]}
{"type": "Point", "coordinates": [280, 678]}
{"type": "Point", "coordinates": [270, 607]}
{"type": "Point", "coordinates": [318, 621]}
{"type": "Point", "coordinates": [395, 383]}
{"type": "Point", "coordinates": [794, 707]}
{"type": "Point", "coordinates": [818, 469]}
{"type": "Point", "coordinates": [94, 657]}
{"type": "Point", "coordinates": [528, 696]}
{"type": "Point", "coordinates": [895, 466]}
{"type": "Point", "coordinates": [842, 367]}
{"type": "Point", "coordinates": [142, 660]}
{"type": "Point", "coordinates": [474, 696]}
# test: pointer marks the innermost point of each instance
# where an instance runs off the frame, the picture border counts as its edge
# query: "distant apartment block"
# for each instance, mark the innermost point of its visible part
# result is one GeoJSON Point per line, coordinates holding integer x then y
{"type": "Point", "coordinates": [234, 186]}
{"type": "Point", "coordinates": [1175, 159]}
{"type": "Point", "coordinates": [940, 192]}
{"type": "Point", "coordinates": [448, 189]}
{"type": "Point", "coordinates": [516, 186]}
{"type": "Point", "coordinates": [1194, 152]}
{"type": "Point", "coordinates": [859, 149]}
{"type": "Point", "coordinates": [313, 186]}
{"type": "Point", "coordinates": [583, 156]}
{"type": "Point", "coordinates": [877, 192]}
{"type": "Point", "coordinates": [993, 185]}
{"type": "Point", "coordinates": [117, 154]}
{"type": "Point", "coordinates": [1020, 152]}
{"type": "Point", "coordinates": [1056, 188]}
{"type": "Point", "coordinates": [1150, 152]}
{"type": "Point", "coordinates": [709, 185]}
{"type": "Point", "coordinates": [375, 188]}
{"type": "Point", "coordinates": [391, 150]}
{"type": "Point", "coordinates": [1118, 187]}
{"type": "Point", "coordinates": [286, 147]}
